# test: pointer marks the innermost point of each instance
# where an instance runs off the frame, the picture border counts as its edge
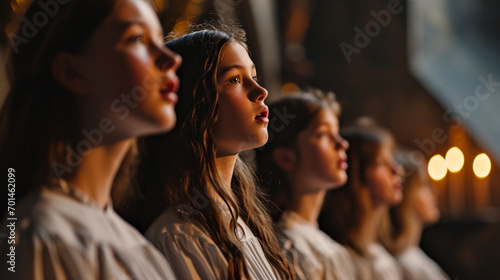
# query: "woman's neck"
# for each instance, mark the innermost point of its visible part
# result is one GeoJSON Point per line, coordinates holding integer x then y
{"type": "Point", "coordinates": [94, 175]}
{"type": "Point", "coordinates": [226, 168]}
{"type": "Point", "coordinates": [366, 234]}
{"type": "Point", "coordinates": [308, 205]}
{"type": "Point", "coordinates": [412, 232]}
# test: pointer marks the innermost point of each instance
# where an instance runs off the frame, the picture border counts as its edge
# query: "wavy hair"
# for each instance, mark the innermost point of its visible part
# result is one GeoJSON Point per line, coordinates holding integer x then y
{"type": "Point", "coordinates": [176, 167]}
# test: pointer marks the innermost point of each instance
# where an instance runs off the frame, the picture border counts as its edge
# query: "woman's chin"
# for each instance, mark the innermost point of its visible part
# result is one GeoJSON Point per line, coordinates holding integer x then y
{"type": "Point", "coordinates": [169, 120]}
{"type": "Point", "coordinates": [259, 140]}
{"type": "Point", "coordinates": [340, 180]}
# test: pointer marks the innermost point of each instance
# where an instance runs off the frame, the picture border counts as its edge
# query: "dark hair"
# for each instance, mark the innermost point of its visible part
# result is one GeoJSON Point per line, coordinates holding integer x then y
{"type": "Point", "coordinates": [174, 167]}
{"type": "Point", "coordinates": [38, 118]}
{"type": "Point", "coordinates": [344, 207]}
{"type": "Point", "coordinates": [302, 109]}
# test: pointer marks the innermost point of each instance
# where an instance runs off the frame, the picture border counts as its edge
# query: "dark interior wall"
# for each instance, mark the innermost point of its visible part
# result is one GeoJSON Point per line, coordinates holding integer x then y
{"type": "Point", "coordinates": [376, 81]}
{"type": "Point", "coordinates": [4, 84]}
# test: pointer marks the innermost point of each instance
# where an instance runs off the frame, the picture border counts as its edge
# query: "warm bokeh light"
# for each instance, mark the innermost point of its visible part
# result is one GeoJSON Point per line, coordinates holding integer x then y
{"type": "Point", "coordinates": [437, 167]}
{"type": "Point", "coordinates": [289, 88]}
{"type": "Point", "coordinates": [454, 159]}
{"type": "Point", "coordinates": [481, 165]}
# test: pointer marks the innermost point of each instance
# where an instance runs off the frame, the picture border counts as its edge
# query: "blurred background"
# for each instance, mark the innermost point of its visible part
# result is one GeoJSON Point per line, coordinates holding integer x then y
{"type": "Point", "coordinates": [428, 70]}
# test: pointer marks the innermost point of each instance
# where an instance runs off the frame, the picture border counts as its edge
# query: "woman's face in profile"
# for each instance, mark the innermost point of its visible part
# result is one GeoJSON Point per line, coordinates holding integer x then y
{"type": "Point", "coordinates": [424, 203]}
{"type": "Point", "coordinates": [321, 162]}
{"type": "Point", "coordinates": [383, 178]}
{"type": "Point", "coordinates": [243, 117]}
{"type": "Point", "coordinates": [126, 75]}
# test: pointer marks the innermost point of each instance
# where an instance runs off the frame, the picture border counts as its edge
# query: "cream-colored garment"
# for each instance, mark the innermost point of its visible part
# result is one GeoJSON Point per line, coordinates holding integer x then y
{"type": "Point", "coordinates": [363, 265]}
{"type": "Point", "coordinates": [194, 255]}
{"type": "Point", "coordinates": [376, 264]}
{"type": "Point", "coordinates": [66, 237]}
{"type": "Point", "coordinates": [418, 266]}
{"type": "Point", "coordinates": [315, 255]}
{"type": "Point", "coordinates": [384, 265]}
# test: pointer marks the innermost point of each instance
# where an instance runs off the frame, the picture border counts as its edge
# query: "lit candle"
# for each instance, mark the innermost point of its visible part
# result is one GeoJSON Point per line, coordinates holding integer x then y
{"type": "Point", "coordinates": [482, 168]}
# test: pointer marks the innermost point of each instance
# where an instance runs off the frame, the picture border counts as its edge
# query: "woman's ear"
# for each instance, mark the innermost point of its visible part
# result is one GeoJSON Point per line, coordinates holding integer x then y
{"type": "Point", "coordinates": [65, 71]}
{"type": "Point", "coordinates": [285, 158]}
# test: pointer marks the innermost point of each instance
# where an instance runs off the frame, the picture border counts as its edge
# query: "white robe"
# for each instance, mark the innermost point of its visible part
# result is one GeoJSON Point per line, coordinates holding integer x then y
{"type": "Point", "coordinates": [418, 266]}
{"type": "Point", "coordinates": [384, 265]}
{"type": "Point", "coordinates": [194, 255]}
{"type": "Point", "coordinates": [66, 236]}
{"type": "Point", "coordinates": [376, 264]}
{"type": "Point", "coordinates": [315, 255]}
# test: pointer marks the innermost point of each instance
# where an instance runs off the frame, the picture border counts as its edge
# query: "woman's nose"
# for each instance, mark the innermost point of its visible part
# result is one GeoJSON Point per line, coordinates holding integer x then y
{"type": "Point", "coordinates": [168, 60]}
{"type": "Point", "coordinates": [341, 143]}
{"type": "Point", "coordinates": [258, 94]}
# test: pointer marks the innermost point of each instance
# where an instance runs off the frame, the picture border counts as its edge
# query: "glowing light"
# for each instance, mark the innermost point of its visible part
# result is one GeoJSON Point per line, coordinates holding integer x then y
{"type": "Point", "coordinates": [437, 167]}
{"type": "Point", "coordinates": [454, 159]}
{"type": "Point", "coordinates": [481, 165]}
{"type": "Point", "coordinates": [289, 88]}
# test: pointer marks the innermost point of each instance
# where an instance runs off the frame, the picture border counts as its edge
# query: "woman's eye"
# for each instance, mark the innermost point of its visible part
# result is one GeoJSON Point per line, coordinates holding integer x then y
{"type": "Point", "coordinates": [137, 39]}
{"type": "Point", "coordinates": [235, 80]}
{"type": "Point", "coordinates": [255, 78]}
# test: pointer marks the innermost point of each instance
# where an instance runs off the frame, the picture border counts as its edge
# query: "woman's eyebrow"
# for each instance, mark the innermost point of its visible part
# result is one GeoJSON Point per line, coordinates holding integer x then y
{"type": "Point", "coordinates": [324, 124]}
{"type": "Point", "coordinates": [124, 25]}
{"type": "Point", "coordinates": [234, 66]}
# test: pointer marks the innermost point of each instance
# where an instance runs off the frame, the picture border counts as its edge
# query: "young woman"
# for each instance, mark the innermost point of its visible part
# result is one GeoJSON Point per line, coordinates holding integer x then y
{"type": "Point", "coordinates": [84, 84]}
{"type": "Point", "coordinates": [353, 212]}
{"type": "Point", "coordinates": [305, 158]}
{"type": "Point", "coordinates": [402, 228]}
{"type": "Point", "coordinates": [210, 221]}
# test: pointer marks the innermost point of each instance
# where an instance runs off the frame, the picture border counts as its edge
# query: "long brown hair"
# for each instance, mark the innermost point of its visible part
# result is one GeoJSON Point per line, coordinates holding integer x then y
{"type": "Point", "coordinates": [345, 207]}
{"type": "Point", "coordinates": [289, 116]}
{"type": "Point", "coordinates": [176, 168]}
{"type": "Point", "coordinates": [37, 121]}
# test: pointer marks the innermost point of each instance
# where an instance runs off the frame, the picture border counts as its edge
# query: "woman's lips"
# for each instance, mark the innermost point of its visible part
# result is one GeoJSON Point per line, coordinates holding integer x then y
{"type": "Point", "coordinates": [170, 96]}
{"type": "Point", "coordinates": [262, 119]}
{"type": "Point", "coordinates": [343, 164]}
{"type": "Point", "coordinates": [262, 115]}
{"type": "Point", "coordinates": [169, 91]}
